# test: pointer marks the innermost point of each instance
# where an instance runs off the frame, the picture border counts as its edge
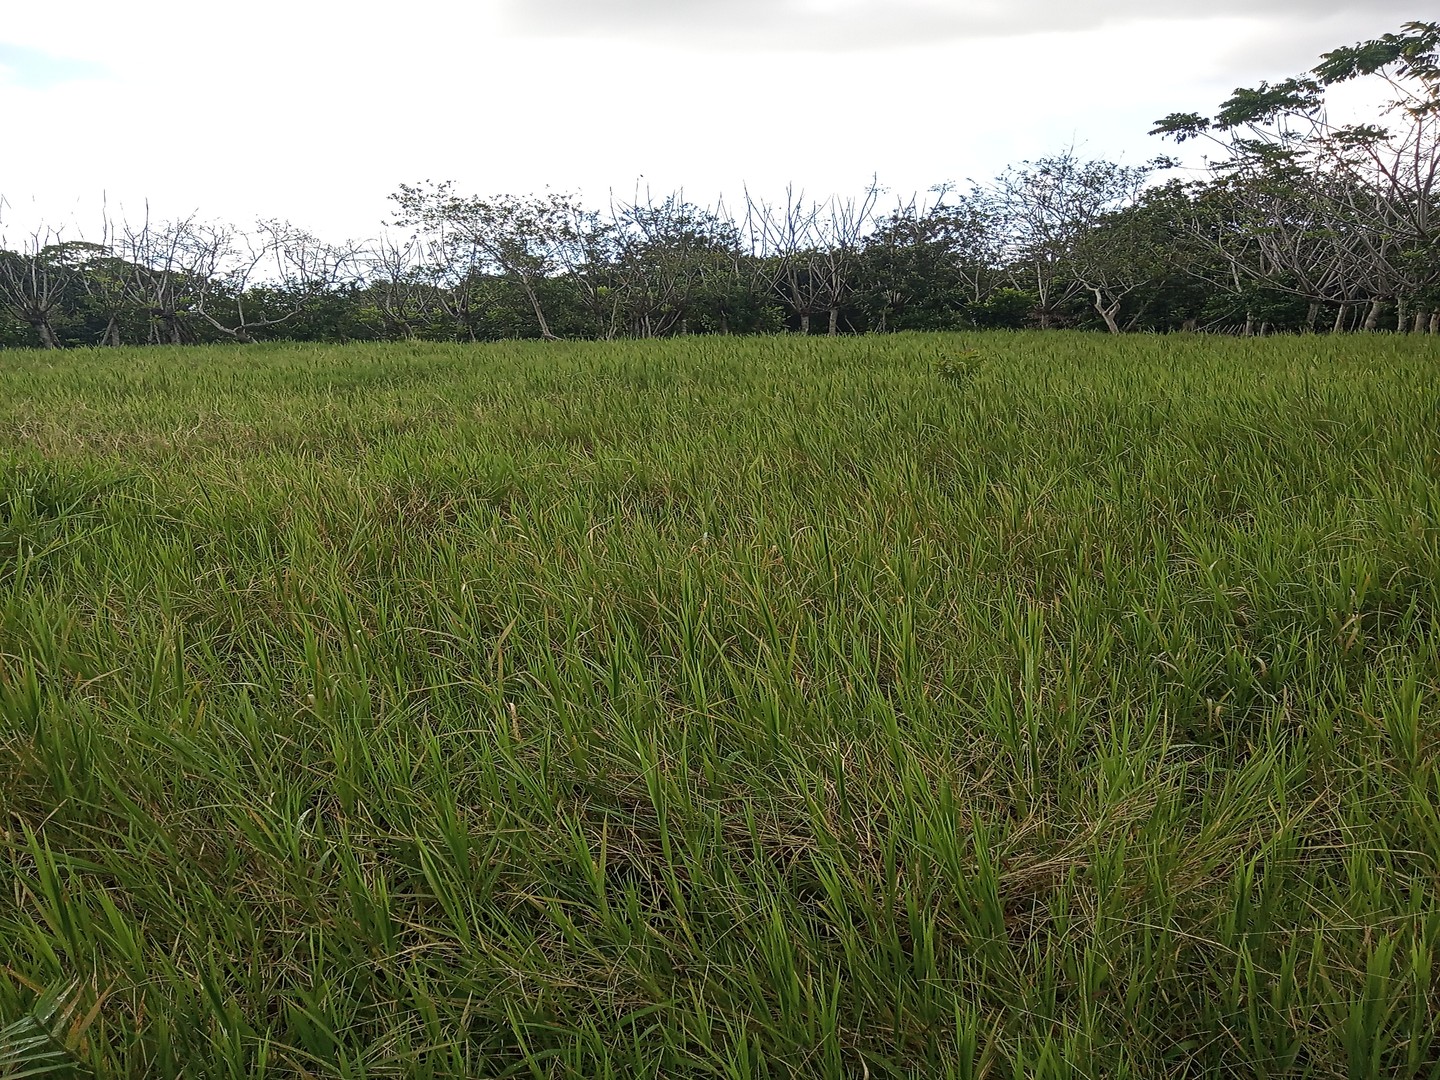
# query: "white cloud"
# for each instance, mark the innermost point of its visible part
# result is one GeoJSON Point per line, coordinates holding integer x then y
{"type": "Point", "coordinates": [315, 111]}
{"type": "Point", "coordinates": [864, 25]}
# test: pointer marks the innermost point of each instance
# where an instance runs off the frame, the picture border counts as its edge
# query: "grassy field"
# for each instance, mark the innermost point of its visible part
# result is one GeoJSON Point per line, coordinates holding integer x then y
{"type": "Point", "coordinates": [760, 708]}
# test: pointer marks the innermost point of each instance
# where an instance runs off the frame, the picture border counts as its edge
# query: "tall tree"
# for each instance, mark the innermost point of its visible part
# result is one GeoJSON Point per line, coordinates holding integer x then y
{"type": "Point", "coordinates": [247, 281]}
{"type": "Point", "coordinates": [35, 280]}
{"type": "Point", "coordinates": [1046, 208]}
{"type": "Point", "coordinates": [1121, 253]}
{"type": "Point", "coordinates": [784, 252]}
{"type": "Point", "coordinates": [933, 266]}
{"type": "Point", "coordinates": [520, 236]}
{"type": "Point", "coordinates": [1341, 213]}
{"type": "Point", "coordinates": [665, 253]}
{"type": "Point", "coordinates": [164, 260]}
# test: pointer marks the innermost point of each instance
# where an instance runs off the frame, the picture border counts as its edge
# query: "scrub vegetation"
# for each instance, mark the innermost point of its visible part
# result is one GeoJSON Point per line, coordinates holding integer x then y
{"type": "Point", "coordinates": [973, 705]}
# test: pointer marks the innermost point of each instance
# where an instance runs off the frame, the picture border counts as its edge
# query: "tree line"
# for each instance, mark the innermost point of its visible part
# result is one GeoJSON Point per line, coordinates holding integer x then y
{"type": "Point", "coordinates": [1301, 223]}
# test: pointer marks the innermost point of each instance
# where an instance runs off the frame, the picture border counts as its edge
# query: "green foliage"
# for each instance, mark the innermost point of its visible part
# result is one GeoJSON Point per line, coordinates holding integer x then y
{"type": "Point", "coordinates": [13, 334]}
{"type": "Point", "coordinates": [1265, 103]}
{"type": "Point", "coordinates": [39, 1043]}
{"type": "Point", "coordinates": [719, 707]}
{"type": "Point", "coordinates": [959, 368]}
{"type": "Point", "coordinates": [1413, 54]}
{"type": "Point", "coordinates": [1003, 309]}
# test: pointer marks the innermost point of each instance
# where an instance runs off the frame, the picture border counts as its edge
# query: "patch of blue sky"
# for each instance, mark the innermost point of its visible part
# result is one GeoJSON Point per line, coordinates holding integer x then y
{"type": "Point", "coordinates": [36, 69]}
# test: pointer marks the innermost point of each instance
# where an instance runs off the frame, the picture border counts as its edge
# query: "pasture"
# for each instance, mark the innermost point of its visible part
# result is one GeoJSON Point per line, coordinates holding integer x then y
{"type": "Point", "coordinates": [1011, 705]}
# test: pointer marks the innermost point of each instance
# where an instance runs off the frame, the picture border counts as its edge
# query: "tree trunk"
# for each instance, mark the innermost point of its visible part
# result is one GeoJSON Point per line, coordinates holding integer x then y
{"type": "Point", "coordinates": [834, 322]}
{"type": "Point", "coordinates": [1422, 321]}
{"type": "Point", "coordinates": [1311, 316]}
{"type": "Point", "coordinates": [1249, 324]}
{"type": "Point", "coordinates": [112, 332]}
{"type": "Point", "coordinates": [1340, 318]}
{"type": "Point", "coordinates": [1107, 311]}
{"type": "Point", "coordinates": [805, 323]}
{"type": "Point", "coordinates": [1435, 322]}
{"type": "Point", "coordinates": [1372, 317]}
{"type": "Point", "coordinates": [45, 332]}
{"type": "Point", "coordinates": [1402, 315]}
{"type": "Point", "coordinates": [534, 299]}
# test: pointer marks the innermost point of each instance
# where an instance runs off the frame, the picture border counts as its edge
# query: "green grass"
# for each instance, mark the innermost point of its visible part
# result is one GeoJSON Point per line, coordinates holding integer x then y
{"type": "Point", "coordinates": [1024, 705]}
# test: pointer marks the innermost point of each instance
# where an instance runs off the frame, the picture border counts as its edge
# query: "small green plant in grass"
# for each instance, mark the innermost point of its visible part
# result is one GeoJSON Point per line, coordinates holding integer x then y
{"type": "Point", "coordinates": [959, 368]}
{"type": "Point", "coordinates": [39, 1042]}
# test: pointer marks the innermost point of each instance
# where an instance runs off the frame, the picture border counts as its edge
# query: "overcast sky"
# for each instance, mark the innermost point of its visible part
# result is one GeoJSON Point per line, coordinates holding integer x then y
{"type": "Point", "coordinates": [315, 111]}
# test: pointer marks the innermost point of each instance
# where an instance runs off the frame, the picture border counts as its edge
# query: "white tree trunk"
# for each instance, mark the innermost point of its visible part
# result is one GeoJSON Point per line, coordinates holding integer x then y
{"type": "Point", "coordinates": [534, 299]}
{"type": "Point", "coordinates": [1107, 311]}
{"type": "Point", "coordinates": [46, 333]}
{"type": "Point", "coordinates": [1372, 317]}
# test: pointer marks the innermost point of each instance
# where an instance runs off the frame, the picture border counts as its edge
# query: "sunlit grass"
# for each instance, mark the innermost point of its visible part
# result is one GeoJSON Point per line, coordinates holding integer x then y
{"type": "Point", "coordinates": [1014, 705]}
